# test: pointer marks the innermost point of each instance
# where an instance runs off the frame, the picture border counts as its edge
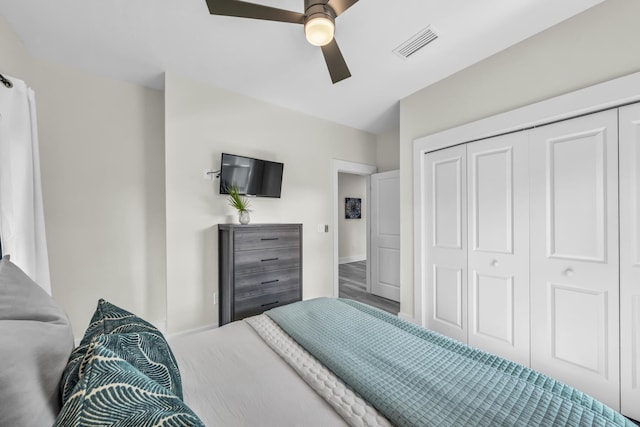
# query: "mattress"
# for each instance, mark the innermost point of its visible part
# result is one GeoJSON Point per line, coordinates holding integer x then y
{"type": "Point", "coordinates": [332, 362]}
{"type": "Point", "coordinates": [231, 377]}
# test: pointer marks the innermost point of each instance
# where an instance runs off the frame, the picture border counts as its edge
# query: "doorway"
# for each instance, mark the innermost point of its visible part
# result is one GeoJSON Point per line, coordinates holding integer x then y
{"type": "Point", "coordinates": [352, 235]}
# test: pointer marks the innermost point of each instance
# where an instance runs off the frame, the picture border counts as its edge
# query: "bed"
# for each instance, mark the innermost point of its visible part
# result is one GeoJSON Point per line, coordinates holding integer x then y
{"type": "Point", "coordinates": [322, 362]}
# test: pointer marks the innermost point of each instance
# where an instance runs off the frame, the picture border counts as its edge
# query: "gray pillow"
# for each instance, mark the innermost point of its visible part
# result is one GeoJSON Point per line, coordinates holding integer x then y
{"type": "Point", "coordinates": [35, 344]}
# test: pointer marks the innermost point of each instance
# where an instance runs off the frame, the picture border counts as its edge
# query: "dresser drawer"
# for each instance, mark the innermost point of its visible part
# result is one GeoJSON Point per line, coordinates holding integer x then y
{"type": "Point", "coordinates": [259, 268]}
{"type": "Point", "coordinates": [254, 285]}
{"type": "Point", "coordinates": [259, 261]}
{"type": "Point", "coordinates": [266, 238]}
{"type": "Point", "coordinates": [255, 305]}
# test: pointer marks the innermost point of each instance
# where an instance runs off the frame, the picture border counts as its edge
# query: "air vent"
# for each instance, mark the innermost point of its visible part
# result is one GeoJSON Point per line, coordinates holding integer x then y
{"type": "Point", "coordinates": [415, 43]}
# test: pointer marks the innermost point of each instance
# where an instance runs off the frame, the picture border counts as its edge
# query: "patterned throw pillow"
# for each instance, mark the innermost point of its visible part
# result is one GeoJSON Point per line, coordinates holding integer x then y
{"type": "Point", "coordinates": [148, 353]}
{"type": "Point", "coordinates": [111, 392]}
{"type": "Point", "coordinates": [151, 353]}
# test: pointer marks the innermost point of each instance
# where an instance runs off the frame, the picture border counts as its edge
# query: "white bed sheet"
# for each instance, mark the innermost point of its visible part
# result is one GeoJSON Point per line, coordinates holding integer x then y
{"type": "Point", "coordinates": [230, 377]}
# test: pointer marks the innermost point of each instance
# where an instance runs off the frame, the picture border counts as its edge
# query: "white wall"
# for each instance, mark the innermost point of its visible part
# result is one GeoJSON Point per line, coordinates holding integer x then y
{"type": "Point", "coordinates": [201, 123]}
{"type": "Point", "coordinates": [103, 167]}
{"type": "Point", "coordinates": [15, 59]}
{"type": "Point", "coordinates": [102, 160]}
{"type": "Point", "coordinates": [388, 150]}
{"type": "Point", "coordinates": [352, 242]}
{"type": "Point", "coordinates": [597, 45]}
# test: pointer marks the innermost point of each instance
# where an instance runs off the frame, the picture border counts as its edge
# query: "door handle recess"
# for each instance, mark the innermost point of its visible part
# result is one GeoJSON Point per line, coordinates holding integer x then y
{"type": "Point", "coordinates": [270, 303]}
{"type": "Point", "coordinates": [269, 259]}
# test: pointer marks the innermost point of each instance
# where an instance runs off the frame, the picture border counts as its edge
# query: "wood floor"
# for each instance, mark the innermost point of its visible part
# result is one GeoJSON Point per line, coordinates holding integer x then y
{"type": "Point", "coordinates": [353, 285]}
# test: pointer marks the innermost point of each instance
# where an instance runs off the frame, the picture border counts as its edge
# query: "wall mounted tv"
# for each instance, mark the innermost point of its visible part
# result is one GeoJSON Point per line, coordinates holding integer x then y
{"type": "Point", "coordinates": [253, 177]}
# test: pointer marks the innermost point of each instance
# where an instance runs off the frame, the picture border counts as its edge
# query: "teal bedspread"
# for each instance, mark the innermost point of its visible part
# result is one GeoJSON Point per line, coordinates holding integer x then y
{"type": "Point", "coordinates": [416, 377]}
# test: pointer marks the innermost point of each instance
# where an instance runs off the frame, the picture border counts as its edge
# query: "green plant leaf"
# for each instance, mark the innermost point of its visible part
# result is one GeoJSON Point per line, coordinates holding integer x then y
{"type": "Point", "coordinates": [237, 201]}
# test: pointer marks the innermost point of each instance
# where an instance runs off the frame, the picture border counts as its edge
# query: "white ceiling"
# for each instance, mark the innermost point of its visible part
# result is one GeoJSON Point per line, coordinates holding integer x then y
{"type": "Point", "coordinates": [138, 40]}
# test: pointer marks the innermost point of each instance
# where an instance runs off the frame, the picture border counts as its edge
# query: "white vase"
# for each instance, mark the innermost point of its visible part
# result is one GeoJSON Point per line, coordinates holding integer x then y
{"type": "Point", "coordinates": [243, 217]}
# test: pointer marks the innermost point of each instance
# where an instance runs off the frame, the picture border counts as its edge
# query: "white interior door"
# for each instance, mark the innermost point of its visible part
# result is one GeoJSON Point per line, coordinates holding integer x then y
{"type": "Point", "coordinates": [445, 299]}
{"type": "Point", "coordinates": [498, 245]}
{"type": "Point", "coordinates": [630, 260]}
{"type": "Point", "coordinates": [574, 254]}
{"type": "Point", "coordinates": [385, 235]}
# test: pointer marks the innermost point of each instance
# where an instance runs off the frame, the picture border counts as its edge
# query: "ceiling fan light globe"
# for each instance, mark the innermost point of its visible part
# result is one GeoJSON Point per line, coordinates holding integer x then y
{"type": "Point", "coordinates": [319, 30]}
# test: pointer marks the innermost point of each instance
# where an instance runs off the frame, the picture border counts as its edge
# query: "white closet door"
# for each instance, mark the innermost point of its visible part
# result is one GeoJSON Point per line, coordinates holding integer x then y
{"type": "Point", "coordinates": [574, 254]}
{"type": "Point", "coordinates": [446, 242]}
{"type": "Point", "coordinates": [630, 260]}
{"type": "Point", "coordinates": [498, 245]}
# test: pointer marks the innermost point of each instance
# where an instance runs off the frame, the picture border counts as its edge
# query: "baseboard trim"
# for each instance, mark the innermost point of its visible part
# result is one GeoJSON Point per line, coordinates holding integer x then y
{"type": "Point", "coordinates": [348, 259]}
{"type": "Point", "coordinates": [191, 331]}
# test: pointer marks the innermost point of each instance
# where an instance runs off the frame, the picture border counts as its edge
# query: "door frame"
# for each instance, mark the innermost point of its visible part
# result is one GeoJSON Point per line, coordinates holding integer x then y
{"type": "Point", "coordinates": [344, 166]}
{"type": "Point", "coordinates": [603, 96]}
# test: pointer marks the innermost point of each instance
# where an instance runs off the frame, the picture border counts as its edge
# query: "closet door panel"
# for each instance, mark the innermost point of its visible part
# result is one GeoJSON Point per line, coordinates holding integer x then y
{"type": "Point", "coordinates": [630, 260]}
{"type": "Point", "coordinates": [498, 256]}
{"type": "Point", "coordinates": [491, 196]}
{"type": "Point", "coordinates": [576, 195]}
{"type": "Point", "coordinates": [446, 240]}
{"type": "Point", "coordinates": [574, 253]}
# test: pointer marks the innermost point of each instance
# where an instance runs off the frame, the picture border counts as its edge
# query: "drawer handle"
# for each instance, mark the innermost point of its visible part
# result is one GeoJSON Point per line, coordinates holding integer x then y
{"type": "Point", "coordinates": [270, 281]}
{"type": "Point", "coordinates": [269, 259]}
{"type": "Point", "coordinates": [270, 303]}
{"type": "Point", "coordinates": [270, 238]}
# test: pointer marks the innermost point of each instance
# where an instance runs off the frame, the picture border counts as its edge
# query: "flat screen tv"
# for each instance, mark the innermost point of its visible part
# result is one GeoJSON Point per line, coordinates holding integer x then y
{"type": "Point", "coordinates": [253, 177]}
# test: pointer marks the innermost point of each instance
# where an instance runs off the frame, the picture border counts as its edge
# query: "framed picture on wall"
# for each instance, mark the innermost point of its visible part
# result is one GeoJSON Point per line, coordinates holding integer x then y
{"type": "Point", "coordinates": [352, 208]}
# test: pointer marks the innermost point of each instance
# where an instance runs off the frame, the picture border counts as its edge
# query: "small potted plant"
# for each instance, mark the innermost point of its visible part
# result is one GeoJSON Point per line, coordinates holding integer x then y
{"type": "Point", "coordinates": [239, 203]}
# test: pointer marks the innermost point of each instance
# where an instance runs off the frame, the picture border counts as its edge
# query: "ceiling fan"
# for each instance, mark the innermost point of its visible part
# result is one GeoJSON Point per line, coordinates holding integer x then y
{"type": "Point", "coordinates": [318, 20]}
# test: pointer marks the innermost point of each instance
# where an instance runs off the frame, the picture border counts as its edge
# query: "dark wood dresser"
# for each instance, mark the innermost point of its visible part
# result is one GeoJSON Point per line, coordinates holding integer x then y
{"type": "Point", "coordinates": [260, 267]}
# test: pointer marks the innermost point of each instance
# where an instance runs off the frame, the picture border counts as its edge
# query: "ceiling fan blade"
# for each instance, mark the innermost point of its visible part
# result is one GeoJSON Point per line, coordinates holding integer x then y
{"type": "Point", "coordinates": [339, 6]}
{"type": "Point", "coordinates": [244, 9]}
{"type": "Point", "coordinates": [335, 62]}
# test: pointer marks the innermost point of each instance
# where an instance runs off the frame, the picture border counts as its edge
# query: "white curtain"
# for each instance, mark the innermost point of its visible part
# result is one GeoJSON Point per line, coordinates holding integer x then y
{"type": "Point", "coordinates": [21, 211]}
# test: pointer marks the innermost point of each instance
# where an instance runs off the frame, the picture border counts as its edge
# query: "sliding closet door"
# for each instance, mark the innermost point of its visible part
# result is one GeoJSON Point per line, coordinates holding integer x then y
{"type": "Point", "coordinates": [498, 241]}
{"type": "Point", "coordinates": [574, 254]}
{"type": "Point", "coordinates": [630, 260]}
{"type": "Point", "coordinates": [445, 299]}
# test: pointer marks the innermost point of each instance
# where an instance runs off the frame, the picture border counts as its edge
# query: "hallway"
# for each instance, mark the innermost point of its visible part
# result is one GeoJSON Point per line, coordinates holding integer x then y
{"type": "Point", "coordinates": [353, 285]}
